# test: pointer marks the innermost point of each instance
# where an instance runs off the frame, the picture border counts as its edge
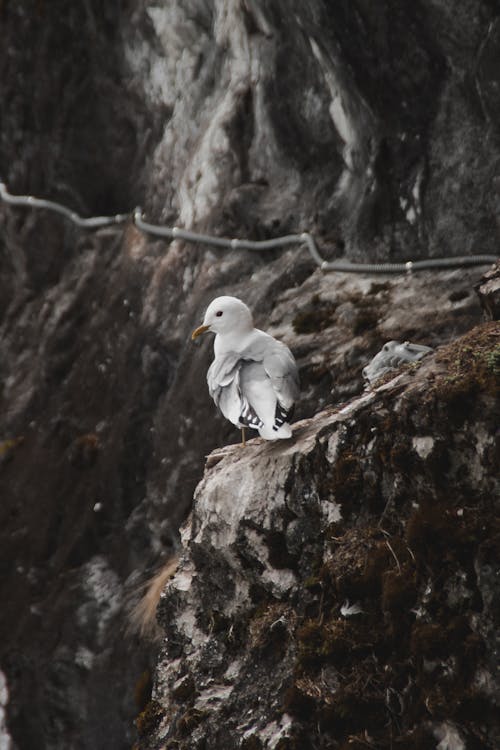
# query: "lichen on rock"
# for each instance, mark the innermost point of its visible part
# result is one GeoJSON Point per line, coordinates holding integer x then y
{"type": "Point", "coordinates": [281, 536]}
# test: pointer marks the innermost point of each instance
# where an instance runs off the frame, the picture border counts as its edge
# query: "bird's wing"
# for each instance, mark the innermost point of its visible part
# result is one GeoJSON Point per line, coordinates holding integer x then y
{"type": "Point", "coordinates": [223, 371]}
{"type": "Point", "coordinates": [223, 378]}
{"type": "Point", "coordinates": [280, 366]}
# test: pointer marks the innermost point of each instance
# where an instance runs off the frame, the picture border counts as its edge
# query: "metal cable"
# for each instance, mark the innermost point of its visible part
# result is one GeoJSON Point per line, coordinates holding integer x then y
{"type": "Point", "coordinates": [410, 265]}
{"type": "Point", "coordinates": [305, 238]}
{"type": "Point", "coordinates": [94, 222]}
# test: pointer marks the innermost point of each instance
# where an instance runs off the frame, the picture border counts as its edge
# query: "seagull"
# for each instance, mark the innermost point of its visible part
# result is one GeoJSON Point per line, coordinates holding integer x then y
{"type": "Point", "coordinates": [254, 378]}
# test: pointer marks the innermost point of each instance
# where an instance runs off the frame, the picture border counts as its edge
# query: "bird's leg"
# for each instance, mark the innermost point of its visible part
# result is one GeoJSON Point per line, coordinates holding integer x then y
{"type": "Point", "coordinates": [243, 442]}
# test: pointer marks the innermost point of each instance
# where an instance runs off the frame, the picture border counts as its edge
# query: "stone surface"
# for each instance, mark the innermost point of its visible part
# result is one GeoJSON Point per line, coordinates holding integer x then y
{"type": "Point", "coordinates": [373, 126]}
{"type": "Point", "coordinates": [344, 586]}
{"type": "Point", "coordinates": [488, 290]}
{"type": "Point", "coordinates": [5, 738]}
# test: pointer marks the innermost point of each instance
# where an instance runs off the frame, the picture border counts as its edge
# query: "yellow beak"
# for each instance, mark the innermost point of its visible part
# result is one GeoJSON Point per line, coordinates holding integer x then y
{"type": "Point", "coordinates": [198, 331]}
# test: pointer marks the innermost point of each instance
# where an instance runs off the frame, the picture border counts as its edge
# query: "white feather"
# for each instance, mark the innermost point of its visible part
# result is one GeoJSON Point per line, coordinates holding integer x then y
{"type": "Point", "coordinates": [252, 372]}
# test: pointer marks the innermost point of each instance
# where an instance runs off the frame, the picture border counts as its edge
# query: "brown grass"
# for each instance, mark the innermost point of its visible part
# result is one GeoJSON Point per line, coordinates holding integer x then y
{"type": "Point", "coordinates": [143, 615]}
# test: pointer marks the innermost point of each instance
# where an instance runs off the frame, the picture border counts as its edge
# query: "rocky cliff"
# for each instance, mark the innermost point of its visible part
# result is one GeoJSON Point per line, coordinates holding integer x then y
{"type": "Point", "coordinates": [376, 128]}
{"type": "Point", "coordinates": [342, 590]}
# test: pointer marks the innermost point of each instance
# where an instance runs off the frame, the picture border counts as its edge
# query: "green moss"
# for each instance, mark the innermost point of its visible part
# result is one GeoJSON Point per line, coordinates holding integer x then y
{"type": "Point", "coordinates": [310, 637]}
{"type": "Point", "coordinates": [343, 668]}
{"type": "Point", "coordinates": [190, 720]}
{"type": "Point", "coordinates": [431, 524]}
{"type": "Point", "coordinates": [396, 455]}
{"type": "Point", "coordinates": [352, 706]}
{"type": "Point", "coordinates": [451, 699]}
{"type": "Point", "coordinates": [313, 583]}
{"type": "Point", "coordinates": [399, 590]}
{"type": "Point", "coordinates": [297, 703]}
{"type": "Point", "coordinates": [357, 564]}
{"type": "Point", "coordinates": [268, 629]}
{"type": "Point", "coordinates": [335, 641]}
{"type": "Point", "coordinates": [347, 477]}
{"type": "Point", "coordinates": [149, 719]}
{"type": "Point", "coordinates": [471, 366]}
{"type": "Point", "coordinates": [346, 667]}
{"type": "Point", "coordinates": [492, 359]}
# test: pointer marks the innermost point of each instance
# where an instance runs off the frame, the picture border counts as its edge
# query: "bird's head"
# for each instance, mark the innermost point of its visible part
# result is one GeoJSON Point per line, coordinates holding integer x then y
{"type": "Point", "coordinates": [225, 315]}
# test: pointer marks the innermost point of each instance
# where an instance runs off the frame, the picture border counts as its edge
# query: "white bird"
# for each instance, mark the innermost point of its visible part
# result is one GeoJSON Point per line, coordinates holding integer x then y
{"type": "Point", "coordinates": [253, 379]}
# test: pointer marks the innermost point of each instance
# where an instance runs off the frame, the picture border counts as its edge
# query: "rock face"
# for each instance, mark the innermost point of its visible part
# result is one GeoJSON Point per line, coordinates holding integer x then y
{"type": "Point", "coordinates": [373, 126]}
{"type": "Point", "coordinates": [488, 290]}
{"type": "Point", "coordinates": [343, 588]}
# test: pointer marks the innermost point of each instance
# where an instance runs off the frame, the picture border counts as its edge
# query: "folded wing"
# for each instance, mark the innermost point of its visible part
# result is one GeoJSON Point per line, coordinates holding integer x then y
{"type": "Point", "coordinates": [281, 368]}
{"type": "Point", "coordinates": [257, 387]}
{"type": "Point", "coordinates": [224, 385]}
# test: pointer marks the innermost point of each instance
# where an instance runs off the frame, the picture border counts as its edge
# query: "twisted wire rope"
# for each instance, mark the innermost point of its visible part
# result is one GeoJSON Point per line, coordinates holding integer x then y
{"type": "Point", "coordinates": [304, 238]}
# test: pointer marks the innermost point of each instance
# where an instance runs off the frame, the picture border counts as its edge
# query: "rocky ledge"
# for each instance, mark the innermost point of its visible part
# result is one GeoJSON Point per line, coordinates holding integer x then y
{"type": "Point", "coordinates": [342, 589]}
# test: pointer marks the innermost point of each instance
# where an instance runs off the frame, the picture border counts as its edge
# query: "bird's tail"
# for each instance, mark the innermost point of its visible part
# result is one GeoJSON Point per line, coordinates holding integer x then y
{"type": "Point", "coordinates": [271, 432]}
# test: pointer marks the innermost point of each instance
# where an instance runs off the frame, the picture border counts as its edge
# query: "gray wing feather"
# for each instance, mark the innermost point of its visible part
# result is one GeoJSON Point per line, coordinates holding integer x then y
{"type": "Point", "coordinates": [281, 368]}
{"type": "Point", "coordinates": [224, 385]}
{"type": "Point", "coordinates": [223, 378]}
{"type": "Point", "coordinates": [223, 372]}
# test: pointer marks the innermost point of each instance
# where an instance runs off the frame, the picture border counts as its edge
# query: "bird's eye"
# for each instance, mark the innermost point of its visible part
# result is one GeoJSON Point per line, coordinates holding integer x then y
{"type": "Point", "coordinates": [218, 314]}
